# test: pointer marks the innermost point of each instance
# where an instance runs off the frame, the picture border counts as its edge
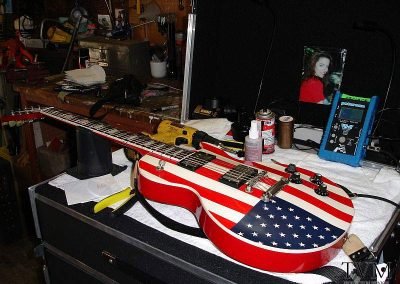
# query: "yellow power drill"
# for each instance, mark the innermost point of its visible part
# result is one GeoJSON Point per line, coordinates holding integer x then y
{"type": "Point", "coordinates": [175, 133]}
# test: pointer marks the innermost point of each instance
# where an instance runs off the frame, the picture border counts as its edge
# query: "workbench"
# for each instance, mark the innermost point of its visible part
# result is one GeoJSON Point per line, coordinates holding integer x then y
{"type": "Point", "coordinates": [123, 117]}
{"type": "Point", "coordinates": [81, 246]}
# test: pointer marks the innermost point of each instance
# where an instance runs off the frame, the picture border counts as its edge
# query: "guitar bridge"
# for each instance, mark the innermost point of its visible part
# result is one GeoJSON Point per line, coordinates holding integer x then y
{"type": "Point", "coordinates": [273, 190]}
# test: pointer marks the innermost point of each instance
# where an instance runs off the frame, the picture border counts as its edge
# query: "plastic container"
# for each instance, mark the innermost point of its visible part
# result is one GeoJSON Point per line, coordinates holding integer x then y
{"type": "Point", "coordinates": [253, 144]}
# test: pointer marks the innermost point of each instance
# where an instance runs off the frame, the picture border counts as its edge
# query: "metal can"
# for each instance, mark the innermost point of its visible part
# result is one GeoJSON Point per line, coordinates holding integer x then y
{"type": "Point", "coordinates": [267, 128]}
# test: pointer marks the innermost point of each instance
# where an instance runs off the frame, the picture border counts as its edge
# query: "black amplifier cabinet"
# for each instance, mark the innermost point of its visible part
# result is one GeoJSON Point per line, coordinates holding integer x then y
{"type": "Point", "coordinates": [83, 247]}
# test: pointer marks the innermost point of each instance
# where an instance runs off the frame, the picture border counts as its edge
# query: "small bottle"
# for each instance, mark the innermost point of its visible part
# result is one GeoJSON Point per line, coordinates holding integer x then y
{"type": "Point", "coordinates": [253, 144]}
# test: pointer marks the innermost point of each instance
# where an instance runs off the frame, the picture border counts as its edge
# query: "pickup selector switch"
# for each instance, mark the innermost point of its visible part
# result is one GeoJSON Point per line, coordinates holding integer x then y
{"type": "Point", "coordinates": [317, 179]}
{"type": "Point", "coordinates": [291, 168]}
{"type": "Point", "coordinates": [295, 178]}
{"type": "Point", "coordinates": [322, 190]}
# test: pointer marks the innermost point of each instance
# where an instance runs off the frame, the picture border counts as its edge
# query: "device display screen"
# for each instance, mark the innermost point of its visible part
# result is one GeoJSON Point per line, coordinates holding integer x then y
{"type": "Point", "coordinates": [351, 114]}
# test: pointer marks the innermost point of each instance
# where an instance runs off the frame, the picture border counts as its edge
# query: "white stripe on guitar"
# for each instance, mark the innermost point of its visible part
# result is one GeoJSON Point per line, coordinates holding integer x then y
{"type": "Point", "coordinates": [331, 188]}
{"type": "Point", "coordinates": [227, 213]}
{"type": "Point", "coordinates": [209, 205]}
{"type": "Point", "coordinates": [204, 181]}
{"type": "Point", "coordinates": [338, 205]}
{"type": "Point", "coordinates": [314, 210]}
{"type": "Point", "coordinates": [249, 199]}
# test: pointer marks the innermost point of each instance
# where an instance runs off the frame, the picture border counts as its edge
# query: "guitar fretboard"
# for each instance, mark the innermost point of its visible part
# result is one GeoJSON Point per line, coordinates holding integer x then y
{"type": "Point", "coordinates": [135, 141]}
{"type": "Point", "coordinates": [191, 160]}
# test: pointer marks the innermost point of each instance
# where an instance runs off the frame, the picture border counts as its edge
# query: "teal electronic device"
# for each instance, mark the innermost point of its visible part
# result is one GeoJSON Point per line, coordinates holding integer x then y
{"type": "Point", "coordinates": [347, 132]}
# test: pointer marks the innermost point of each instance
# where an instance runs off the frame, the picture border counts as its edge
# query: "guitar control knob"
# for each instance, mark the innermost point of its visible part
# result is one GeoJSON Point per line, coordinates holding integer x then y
{"type": "Point", "coordinates": [322, 190]}
{"type": "Point", "coordinates": [317, 179]}
{"type": "Point", "coordinates": [291, 168]}
{"type": "Point", "coordinates": [295, 178]}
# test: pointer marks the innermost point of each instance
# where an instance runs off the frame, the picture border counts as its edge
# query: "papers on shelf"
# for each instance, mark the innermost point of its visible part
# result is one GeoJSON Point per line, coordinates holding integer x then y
{"type": "Point", "coordinates": [93, 75]}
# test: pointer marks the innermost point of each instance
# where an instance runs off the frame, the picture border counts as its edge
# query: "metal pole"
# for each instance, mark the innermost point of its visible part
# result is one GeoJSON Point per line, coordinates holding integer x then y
{"type": "Point", "coordinates": [71, 44]}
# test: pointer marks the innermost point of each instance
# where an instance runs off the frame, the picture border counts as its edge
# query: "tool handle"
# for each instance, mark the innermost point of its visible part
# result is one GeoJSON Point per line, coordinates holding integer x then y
{"type": "Point", "coordinates": [124, 206]}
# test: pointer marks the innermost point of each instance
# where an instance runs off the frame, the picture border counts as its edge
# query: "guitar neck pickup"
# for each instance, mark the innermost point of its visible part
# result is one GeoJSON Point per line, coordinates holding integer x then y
{"type": "Point", "coordinates": [196, 160]}
{"type": "Point", "coordinates": [238, 176]}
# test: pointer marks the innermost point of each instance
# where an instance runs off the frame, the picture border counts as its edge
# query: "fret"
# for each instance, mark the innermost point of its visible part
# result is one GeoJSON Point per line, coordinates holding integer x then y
{"type": "Point", "coordinates": [83, 121]}
{"type": "Point", "coordinates": [163, 147]}
{"type": "Point", "coordinates": [122, 137]}
{"type": "Point", "coordinates": [159, 147]}
{"type": "Point", "coordinates": [98, 127]}
{"type": "Point", "coordinates": [122, 134]}
{"type": "Point", "coordinates": [169, 149]}
{"type": "Point", "coordinates": [111, 131]}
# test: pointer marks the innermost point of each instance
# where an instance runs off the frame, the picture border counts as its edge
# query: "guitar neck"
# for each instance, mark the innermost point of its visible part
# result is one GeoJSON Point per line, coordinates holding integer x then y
{"type": "Point", "coordinates": [137, 141]}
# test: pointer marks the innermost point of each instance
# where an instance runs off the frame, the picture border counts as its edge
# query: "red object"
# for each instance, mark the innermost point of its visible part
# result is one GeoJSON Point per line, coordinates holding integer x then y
{"type": "Point", "coordinates": [267, 121]}
{"type": "Point", "coordinates": [295, 230]}
{"type": "Point", "coordinates": [312, 90]}
{"type": "Point", "coordinates": [16, 54]}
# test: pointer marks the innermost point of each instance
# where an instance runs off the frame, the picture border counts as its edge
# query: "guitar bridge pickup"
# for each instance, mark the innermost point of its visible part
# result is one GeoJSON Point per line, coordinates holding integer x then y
{"type": "Point", "coordinates": [273, 190]}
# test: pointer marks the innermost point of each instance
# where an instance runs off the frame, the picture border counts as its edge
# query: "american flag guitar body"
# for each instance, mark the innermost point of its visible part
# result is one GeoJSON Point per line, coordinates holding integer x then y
{"type": "Point", "coordinates": [270, 216]}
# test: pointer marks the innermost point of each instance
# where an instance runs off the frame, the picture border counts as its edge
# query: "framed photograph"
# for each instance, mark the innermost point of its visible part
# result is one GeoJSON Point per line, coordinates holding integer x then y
{"type": "Point", "coordinates": [322, 74]}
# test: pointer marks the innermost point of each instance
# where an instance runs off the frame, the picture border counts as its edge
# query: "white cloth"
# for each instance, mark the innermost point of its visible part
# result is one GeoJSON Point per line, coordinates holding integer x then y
{"type": "Point", "coordinates": [215, 127]}
{"type": "Point", "coordinates": [371, 216]}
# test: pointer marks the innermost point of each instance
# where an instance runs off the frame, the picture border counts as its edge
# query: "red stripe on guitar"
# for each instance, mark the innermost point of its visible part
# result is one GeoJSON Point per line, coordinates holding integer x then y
{"type": "Point", "coordinates": [341, 199]}
{"type": "Point", "coordinates": [207, 172]}
{"type": "Point", "coordinates": [320, 204]}
{"type": "Point", "coordinates": [258, 190]}
{"type": "Point", "coordinates": [308, 173]}
{"type": "Point", "coordinates": [227, 223]}
{"type": "Point", "coordinates": [223, 163]}
{"type": "Point", "coordinates": [216, 197]}
{"type": "Point", "coordinates": [274, 171]}
{"type": "Point", "coordinates": [332, 195]}
{"type": "Point", "coordinates": [215, 169]}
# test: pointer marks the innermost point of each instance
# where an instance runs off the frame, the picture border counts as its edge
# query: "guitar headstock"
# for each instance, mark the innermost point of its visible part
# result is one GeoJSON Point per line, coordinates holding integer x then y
{"type": "Point", "coordinates": [20, 117]}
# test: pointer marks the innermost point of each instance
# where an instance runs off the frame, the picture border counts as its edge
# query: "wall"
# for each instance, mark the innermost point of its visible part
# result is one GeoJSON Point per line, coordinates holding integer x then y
{"type": "Point", "coordinates": [232, 42]}
{"type": "Point", "coordinates": [166, 6]}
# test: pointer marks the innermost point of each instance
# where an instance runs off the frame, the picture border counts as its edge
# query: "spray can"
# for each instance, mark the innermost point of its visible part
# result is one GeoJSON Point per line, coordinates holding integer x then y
{"type": "Point", "coordinates": [267, 121]}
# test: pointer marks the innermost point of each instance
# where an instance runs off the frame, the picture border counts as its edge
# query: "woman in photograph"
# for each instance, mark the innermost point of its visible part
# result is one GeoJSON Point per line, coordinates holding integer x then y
{"type": "Point", "coordinates": [315, 78]}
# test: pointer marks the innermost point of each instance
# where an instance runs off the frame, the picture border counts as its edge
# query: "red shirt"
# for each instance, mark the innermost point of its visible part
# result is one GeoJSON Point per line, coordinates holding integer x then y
{"type": "Point", "coordinates": [312, 90]}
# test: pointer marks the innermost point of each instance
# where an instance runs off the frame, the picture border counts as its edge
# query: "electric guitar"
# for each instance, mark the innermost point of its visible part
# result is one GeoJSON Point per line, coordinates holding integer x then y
{"type": "Point", "coordinates": [270, 216]}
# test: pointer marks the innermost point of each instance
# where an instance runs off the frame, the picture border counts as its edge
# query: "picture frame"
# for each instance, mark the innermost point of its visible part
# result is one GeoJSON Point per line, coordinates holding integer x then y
{"type": "Point", "coordinates": [322, 74]}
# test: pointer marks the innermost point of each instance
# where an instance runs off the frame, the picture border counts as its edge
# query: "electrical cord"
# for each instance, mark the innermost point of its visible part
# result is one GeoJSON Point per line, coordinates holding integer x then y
{"type": "Point", "coordinates": [312, 145]}
{"type": "Point", "coordinates": [388, 109]}
{"type": "Point", "coordinates": [385, 138]}
{"type": "Point", "coordinates": [268, 53]}
{"type": "Point", "coordinates": [307, 126]}
{"type": "Point", "coordinates": [352, 194]}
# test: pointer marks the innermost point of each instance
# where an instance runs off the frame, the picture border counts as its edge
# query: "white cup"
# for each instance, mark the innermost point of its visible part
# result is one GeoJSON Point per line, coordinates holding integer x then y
{"type": "Point", "coordinates": [158, 69]}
